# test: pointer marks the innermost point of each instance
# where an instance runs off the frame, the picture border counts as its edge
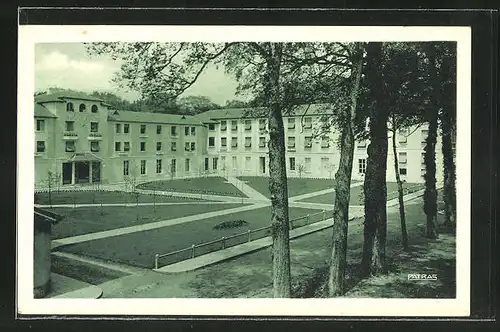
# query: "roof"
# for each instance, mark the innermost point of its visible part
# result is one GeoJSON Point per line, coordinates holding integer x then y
{"type": "Point", "coordinates": [261, 112]}
{"type": "Point", "coordinates": [61, 96]}
{"type": "Point", "coordinates": [42, 112]}
{"type": "Point", "coordinates": [147, 117]}
{"type": "Point", "coordinates": [44, 215]}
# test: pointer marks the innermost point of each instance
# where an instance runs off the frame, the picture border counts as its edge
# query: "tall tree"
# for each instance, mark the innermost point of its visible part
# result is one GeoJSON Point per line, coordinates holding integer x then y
{"type": "Point", "coordinates": [431, 115]}
{"type": "Point", "coordinates": [338, 260]}
{"type": "Point", "coordinates": [375, 226]}
{"type": "Point", "coordinates": [171, 68]}
{"type": "Point", "coordinates": [447, 118]}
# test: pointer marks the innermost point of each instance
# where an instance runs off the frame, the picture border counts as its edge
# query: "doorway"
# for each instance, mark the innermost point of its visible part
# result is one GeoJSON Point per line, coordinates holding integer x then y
{"type": "Point", "coordinates": [67, 171]}
{"type": "Point", "coordinates": [262, 164]}
{"type": "Point", "coordinates": [82, 172]}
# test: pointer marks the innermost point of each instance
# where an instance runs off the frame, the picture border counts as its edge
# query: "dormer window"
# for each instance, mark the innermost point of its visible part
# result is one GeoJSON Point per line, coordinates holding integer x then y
{"type": "Point", "coordinates": [81, 108]}
{"type": "Point", "coordinates": [94, 109]}
{"type": "Point", "coordinates": [69, 107]}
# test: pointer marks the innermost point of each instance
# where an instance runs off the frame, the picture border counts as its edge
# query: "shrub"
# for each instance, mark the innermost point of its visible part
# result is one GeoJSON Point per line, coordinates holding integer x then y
{"type": "Point", "coordinates": [231, 224]}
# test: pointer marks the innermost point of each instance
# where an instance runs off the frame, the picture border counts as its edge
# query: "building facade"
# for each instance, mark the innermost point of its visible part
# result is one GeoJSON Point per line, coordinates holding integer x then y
{"type": "Point", "coordinates": [81, 140]}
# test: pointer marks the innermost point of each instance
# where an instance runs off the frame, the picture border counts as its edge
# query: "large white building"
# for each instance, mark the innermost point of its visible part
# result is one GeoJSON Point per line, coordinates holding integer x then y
{"type": "Point", "coordinates": [80, 139]}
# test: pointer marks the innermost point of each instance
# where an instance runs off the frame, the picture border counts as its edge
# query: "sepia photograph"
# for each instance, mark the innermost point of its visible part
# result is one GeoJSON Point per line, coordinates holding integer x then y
{"type": "Point", "coordinates": [289, 164]}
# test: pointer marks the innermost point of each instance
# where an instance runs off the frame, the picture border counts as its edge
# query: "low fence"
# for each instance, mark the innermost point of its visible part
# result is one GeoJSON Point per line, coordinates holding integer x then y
{"type": "Point", "coordinates": [229, 241]}
{"type": "Point", "coordinates": [409, 190]}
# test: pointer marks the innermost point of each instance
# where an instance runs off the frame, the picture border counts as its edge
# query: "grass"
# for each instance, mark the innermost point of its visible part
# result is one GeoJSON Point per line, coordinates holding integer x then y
{"type": "Point", "coordinates": [208, 185]}
{"type": "Point", "coordinates": [85, 220]}
{"type": "Point", "coordinates": [138, 249]}
{"type": "Point", "coordinates": [105, 197]}
{"type": "Point", "coordinates": [296, 186]}
{"type": "Point", "coordinates": [357, 197]}
{"type": "Point", "coordinates": [251, 275]}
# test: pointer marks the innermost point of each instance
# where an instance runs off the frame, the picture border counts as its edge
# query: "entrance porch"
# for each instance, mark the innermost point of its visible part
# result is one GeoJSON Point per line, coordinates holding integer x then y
{"type": "Point", "coordinates": [82, 168]}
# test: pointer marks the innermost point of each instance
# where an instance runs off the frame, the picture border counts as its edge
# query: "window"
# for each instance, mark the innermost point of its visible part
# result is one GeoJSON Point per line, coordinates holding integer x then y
{"type": "Point", "coordinates": [94, 127]}
{"type": "Point", "coordinates": [234, 142]}
{"type": "Point", "coordinates": [262, 142]}
{"type": "Point", "coordinates": [193, 131]}
{"type": "Point", "coordinates": [214, 163]}
{"type": "Point", "coordinates": [186, 146]}
{"type": "Point", "coordinates": [158, 166]}
{"type": "Point", "coordinates": [422, 159]}
{"type": "Point", "coordinates": [223, 125]}
{"type": "Point", "coordinates": [422, 171]}
{"type": "Point", "coordinates": [402, 158]}
{"type": "Point", "coordinates": [402, 171]}
{"type": "Point", "coordinates": [126, 146]}
{"type": "Point", "coordinates": [234, 125]}
{"type": "Point", "coordinates": [158, 146]}
{"type": "Point", "coordinates": [291, 142]}
{"type": "Point", "coordinates": [94, 146]}
{"type": "Point", "coordinates": [143, 146]}
{"type": "Point", "coordinates": [307, 123]}
{"type": "Point", "coordinates": [403, 134]}
{"type": "Point", "coordinates": [69, 107]}
{"type": "Point", "coordinates": [173, 131]}
{"type": "Point", "coordinates": [126, 165]}
{"type": "Point", "coordinates": [211, 142]}
{"type": "Point", "coordinates": [126, 128]}
{"type": "Point", "coordinates": [40, 146]}
{"type": "Point", "coordinates": [186, 131]}
{"type": "Point", "coordinates": [308, 142]}
{"type": "Point", "coordinates": [143, 129]}
{"type": "Point", "coordinates": [173, 146]}
{"type": "Point", "coordinates": [118, 128]}
{"type": "Point", "coordinates": [70, 146]}
{"type": "Point", "coordinates": [158, 129]}
{"type": "Point", "coordinates": [248, 142]}
{"type": "Point", "coordinates": [291, 123]}
{"type": "Point", "coordinates": [262, 124]}
{"type": "Point", "coordinates": [187, 165]}
{"type": "Point", "coordinates": [248, 163]}
{"type": "Point", "coordinates": [118, 146]}
{"type": "Point", "coordinates": [362, 144]}
{"type": "Point", "coordinates": [248, 125]}
{"type": "Point", "coordinates": [143, 167]}
{"type": "Point", "coordinates": [223, 142]}
{"type": "Point", "coordinates": [292, 163]}
{"type": "Point", "coordinates": [40, 125]}
{"type": "Point", "coordinates": [325, 142]}
{"type": "Point", "coordinates": [193, 146]}
{"type": "Point", "coordinates": [206, 164]}
{"type": "Point", "coordinates": [211, 126]}
{"type": "Point", "coordinates": [81, 108]}
{"type": "Point", "coordinates": [361, 166]}
{"type": "Point", "coordinates": [70, 125]}
{"type": "Point", "coordinates": [94, 109]}
{"type": "Point", "coordinates": [307, 166]}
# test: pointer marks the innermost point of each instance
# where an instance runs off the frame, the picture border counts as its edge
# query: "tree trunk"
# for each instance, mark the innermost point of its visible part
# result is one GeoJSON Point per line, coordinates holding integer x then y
{"type": "Point", "coordinates": [375, 227]}
{"type": "Point", "coordinates": [402, 216]}
{"type": "Point", "coordinates": [338, 261]}
{"type": "Point", "coordinates": [448, 115]}
{"type": "Point", "coordinates": [277, 179]}
{"type": "Point", "coordinates": [430, 193]}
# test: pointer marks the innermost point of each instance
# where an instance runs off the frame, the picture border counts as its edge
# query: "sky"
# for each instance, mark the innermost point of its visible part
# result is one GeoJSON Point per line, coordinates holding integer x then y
{"type": "Point", "coordinates": [67, 65]}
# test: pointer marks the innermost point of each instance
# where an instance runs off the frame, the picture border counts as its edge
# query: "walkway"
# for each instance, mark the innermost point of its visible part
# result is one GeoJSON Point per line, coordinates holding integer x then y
{"type": "Point", "coordinates": [320, 192]}
{"type": "Point", "coordinates": [149, 226]}
{"type": "Point", "coordinates": [246, 189]}
{"type": "Point", "coordinates": [126, 204]}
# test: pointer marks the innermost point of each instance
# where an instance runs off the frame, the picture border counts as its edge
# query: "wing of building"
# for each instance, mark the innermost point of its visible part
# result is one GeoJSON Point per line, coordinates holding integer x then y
{"type": "Point", "coordinates": [80, 139]}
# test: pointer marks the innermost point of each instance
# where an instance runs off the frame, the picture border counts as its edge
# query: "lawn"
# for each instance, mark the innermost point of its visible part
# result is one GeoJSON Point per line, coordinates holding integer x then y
{"type": "Point", "coordinates": [139, 248]}
{"type": "Point", "coordinates": [104, 197]}
{"type": "Point", "coordinates": [357, 197]}
{"type": "Point", "coordinates": [251, 275]}
{"type": "Point", "coordinates": [296, 186]}
{"type": "Point", "coordinates": [209, 185]}
{"type": "Point", "coordinates": [83, 220]}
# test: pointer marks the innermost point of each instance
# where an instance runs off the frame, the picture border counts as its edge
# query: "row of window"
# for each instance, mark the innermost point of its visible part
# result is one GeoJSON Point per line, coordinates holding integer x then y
{"type": "Point", "coordinates": [262, 124]}
{"type": "Point", "coordinates": [325, 143]}
{"type": "Point", "coordinates": [173, 166]}
{"type": "Point", "coordinates": [81, 108]}
{"type": "Point", "coordinates": [188, 146]}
